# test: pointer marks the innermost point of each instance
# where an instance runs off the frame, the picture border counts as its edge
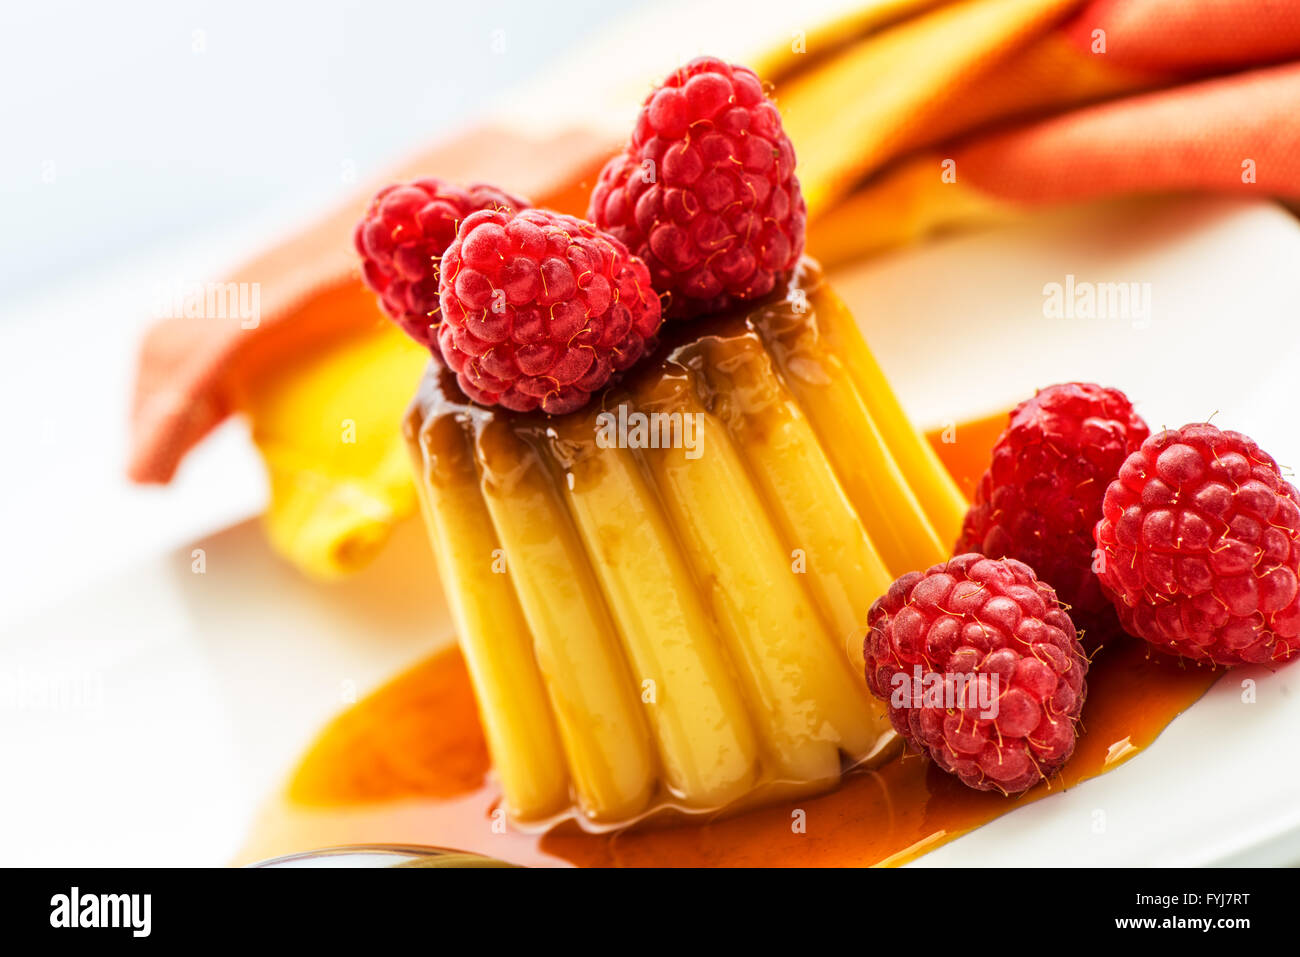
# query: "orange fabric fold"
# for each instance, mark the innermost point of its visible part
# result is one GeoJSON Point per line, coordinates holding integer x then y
{"type": "Point", "coordinates": [1239, 133]}
{"type": "Point", "coordinates": [1190, 36]}
{"type": "Point", "coordinates": [1121, 97]}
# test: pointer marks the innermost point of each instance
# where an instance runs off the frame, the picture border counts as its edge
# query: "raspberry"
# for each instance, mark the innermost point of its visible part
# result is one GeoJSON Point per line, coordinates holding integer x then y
{"type": "Point", "coordinates": [402, 238]}
{"type": "Point", "coordinates": [705, 192]}
{"type": "Point", "coordinates": [1041, 496]}
{"type": "Point", "coordinates": [1200, 548]}
{"type": "Point", "coordinates": [541, 309]}
{"type": "Point", "coordinates": [1017, 721]}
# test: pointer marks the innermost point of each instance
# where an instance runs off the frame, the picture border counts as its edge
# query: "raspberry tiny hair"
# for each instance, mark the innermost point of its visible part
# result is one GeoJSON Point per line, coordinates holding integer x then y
{"type": "Point", "coordinates": [705, 191]}
{"type": "Point", "coordinates": [1040, 498]}
{"type": "Point", "coordinates": [541, 309]}
{"type": "Point", "coordinates": [1199, 548]}
{"type": "Point", "coordinates": [981, 669]}
{"type": "Point", "coordinates": [402, 237]}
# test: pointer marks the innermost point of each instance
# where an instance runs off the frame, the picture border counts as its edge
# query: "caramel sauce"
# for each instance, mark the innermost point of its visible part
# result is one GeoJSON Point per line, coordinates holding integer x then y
{"type": "Point", "coordinates": [409, 765]}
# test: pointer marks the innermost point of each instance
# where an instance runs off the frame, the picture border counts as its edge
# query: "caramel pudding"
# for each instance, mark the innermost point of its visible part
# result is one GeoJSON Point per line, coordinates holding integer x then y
{"type": "Point", "coordinates": [660, 598]}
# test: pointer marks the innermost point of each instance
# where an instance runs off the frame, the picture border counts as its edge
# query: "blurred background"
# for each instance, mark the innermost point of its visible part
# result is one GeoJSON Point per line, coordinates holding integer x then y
{"type": "Point", "coordinates": [158, 123]}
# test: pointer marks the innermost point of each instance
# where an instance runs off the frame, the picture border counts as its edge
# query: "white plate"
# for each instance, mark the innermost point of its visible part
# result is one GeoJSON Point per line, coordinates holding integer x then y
{"type": "Point", "coordinates": [184, 698]}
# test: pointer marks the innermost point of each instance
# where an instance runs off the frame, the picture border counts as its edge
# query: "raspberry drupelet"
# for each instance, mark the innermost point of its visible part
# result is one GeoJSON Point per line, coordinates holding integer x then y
{"type": "Point", "coordinates": [991, 630]}
{"type": "Point", "coordinates": [541, 309]}
{"type": "Point", "coordinates": [1200, 548]}
{"type": "Point", "coordinates": [401, 240]}
{"type": "Point", "coordinates": [705, 192]}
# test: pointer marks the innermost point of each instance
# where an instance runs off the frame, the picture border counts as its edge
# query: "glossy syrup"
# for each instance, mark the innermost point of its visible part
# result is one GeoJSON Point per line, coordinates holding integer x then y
{"type": "Point", "coordinates": [409, 765]}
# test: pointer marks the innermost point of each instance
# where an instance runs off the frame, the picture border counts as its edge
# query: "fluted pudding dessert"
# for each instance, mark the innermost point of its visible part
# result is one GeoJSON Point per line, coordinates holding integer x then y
{"type": "Point", "coordinates": [654, 594]}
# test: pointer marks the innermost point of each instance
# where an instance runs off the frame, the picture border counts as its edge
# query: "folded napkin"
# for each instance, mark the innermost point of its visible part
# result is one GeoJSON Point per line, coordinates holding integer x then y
{"type": "Point", "coordinates": [1120, 97]}
{"type": "Point", "coordinates": [908, 116]}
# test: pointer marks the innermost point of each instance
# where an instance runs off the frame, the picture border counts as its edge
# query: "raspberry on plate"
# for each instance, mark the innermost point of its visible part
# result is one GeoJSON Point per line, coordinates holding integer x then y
{"type": "Point", "coordinates": [541, 309]}
{"type": "Point", "coordinates": [705, 192]}
{"type": "Point", "coordinates": [1200, 548]}
{"type": "Point", "coordinates": [1041, 496]}
{"type": "Point", "coordinates": [401, 239]}
{"type": "Point", "coordinates": [980, 667]}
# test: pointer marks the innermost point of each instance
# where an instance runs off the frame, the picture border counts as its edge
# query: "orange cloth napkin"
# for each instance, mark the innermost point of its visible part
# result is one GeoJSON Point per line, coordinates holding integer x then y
{"type": "Point", "coordinates": [1119, 97]}
{"type": "Point", "coordinates": [908, 117]}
